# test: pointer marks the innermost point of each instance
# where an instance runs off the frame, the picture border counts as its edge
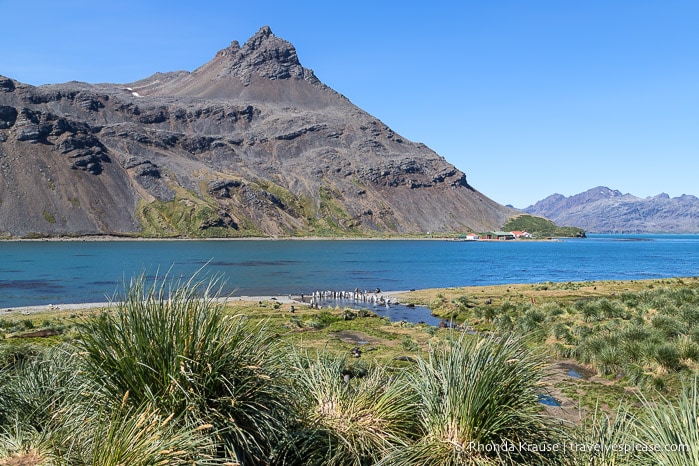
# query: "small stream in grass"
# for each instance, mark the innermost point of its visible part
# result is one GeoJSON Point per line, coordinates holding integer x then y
{"type": "Point", "coordinates": [395, 312]}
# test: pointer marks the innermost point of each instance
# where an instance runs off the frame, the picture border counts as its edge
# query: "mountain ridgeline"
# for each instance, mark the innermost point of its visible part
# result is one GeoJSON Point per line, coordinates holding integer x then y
{"type": "Point", "coordinates": [249, 144]}
{"type": "Point", "coordinates": [603, 210]}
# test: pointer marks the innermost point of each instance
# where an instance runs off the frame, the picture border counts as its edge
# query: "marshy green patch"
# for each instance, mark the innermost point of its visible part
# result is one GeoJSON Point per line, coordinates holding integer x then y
{"type": "Point", "coordinates": [641, 333]}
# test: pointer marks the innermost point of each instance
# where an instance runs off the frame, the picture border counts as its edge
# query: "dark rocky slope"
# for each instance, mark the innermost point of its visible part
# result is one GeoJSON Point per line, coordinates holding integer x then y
{"type": "Point", "coordinates": [602, 210]}
{"type": "Point", "coordinates": [251, 143]}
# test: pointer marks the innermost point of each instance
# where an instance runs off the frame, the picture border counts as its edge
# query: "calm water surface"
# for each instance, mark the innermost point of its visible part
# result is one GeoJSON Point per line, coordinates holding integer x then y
{"type": "Point", "coordinates": [41, 272]}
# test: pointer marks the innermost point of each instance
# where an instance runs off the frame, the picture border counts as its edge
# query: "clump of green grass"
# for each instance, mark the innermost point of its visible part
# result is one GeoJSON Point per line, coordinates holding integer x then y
{"type": "Point", "coordinates": [348, 415]}
{"type": "Point", "coordinates": [475, 392]}
{"type": "Point", "coordinates": [34, 387]}
{"type": "Point", "coordinates": [409, 344]}
{"type": "Point", "coordinates": [130, 435]}
{"type": "Point", "coordinates": [669, 428]}
{"type": "Point", "coordinates": [20, 440]}
{"type": "Point", "coordinates": [605, 439]}
{"type": "Point", "coordinates": [170, 346]}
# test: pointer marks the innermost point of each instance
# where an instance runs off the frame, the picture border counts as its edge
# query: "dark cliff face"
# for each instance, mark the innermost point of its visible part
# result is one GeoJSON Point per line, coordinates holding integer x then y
{"type": "Point", "coordinates": [602, 210]}
{"type": "Point", "coordinates": [250, 143]}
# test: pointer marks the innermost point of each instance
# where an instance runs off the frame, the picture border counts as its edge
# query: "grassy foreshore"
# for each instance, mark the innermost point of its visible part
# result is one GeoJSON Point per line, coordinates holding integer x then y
{"type": "Point", "coordinates": [606, 353]}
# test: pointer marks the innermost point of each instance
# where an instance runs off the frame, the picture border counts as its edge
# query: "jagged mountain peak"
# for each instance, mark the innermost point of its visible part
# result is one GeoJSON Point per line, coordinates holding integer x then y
{"type": "Point", "coordinates": [253, 43]}
{"type": "Point", "coordinates": [264, 55]}
{"type": "Point", "coordinates": [265, 67]}
{"type": "Point", "coordinates": [260, 37]}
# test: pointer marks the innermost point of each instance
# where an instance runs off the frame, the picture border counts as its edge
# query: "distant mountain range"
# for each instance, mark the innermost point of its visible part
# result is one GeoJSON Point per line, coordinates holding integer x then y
{"type": "Point", "coordinates": [603, 210]}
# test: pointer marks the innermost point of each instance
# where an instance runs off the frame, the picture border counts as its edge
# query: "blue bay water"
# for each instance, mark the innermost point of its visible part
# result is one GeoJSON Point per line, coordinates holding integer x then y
{"type": "Point", "coordinates": [42, 272]}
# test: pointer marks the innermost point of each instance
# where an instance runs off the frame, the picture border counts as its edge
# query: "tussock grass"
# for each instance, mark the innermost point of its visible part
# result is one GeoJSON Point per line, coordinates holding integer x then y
{"type": "Point", "coordinates": [645, 333]}
{"type": "Point", "coordinates": [475, 392]}
{"type": "Point", "coordinates": [605, 439]}
{"type": "Point", "coordinates": [670, 427]}
{"type": "Point", "coordinates": [35, 387]}
{"type": "Point", "coordinates": [171, 376]}
{"type": "Point", "coordinates": [170, 345]}
{"type": "Point", "coordinates": [129, 435]}
{"type": "Point", "coordinates": [348, 417]}
{"type": "Point", "coordinates": [17, 439]}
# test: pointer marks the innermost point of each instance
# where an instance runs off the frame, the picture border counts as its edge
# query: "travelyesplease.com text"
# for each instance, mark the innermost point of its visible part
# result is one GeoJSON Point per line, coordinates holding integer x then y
{"type": "Point", "coordinates": [529, 447]}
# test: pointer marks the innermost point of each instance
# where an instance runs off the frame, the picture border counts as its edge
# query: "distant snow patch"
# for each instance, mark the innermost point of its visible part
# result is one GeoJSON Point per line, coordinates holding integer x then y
{"type": "Point", "coordinates": [136, 94]}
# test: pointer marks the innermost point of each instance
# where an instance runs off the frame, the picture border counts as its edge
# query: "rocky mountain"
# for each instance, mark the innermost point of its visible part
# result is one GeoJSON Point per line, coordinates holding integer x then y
{"type": "Point", "coordinates": [249, 144]}
{"type": "Point", "coordinates": [603, 210]}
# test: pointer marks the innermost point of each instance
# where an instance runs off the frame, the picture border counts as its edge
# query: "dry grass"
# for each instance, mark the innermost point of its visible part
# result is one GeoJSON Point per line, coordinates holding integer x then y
{"type": "Point", "coordinates": [27, 459]}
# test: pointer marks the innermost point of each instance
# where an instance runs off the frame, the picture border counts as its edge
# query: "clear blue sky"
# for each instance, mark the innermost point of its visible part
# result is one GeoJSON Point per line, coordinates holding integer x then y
{"type": "Point", "coordinates": [529, 98]}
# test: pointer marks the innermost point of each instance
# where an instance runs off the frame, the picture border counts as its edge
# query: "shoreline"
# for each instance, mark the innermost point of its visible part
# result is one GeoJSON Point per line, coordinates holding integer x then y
{"type": "Point", "coordinates": [114, 238]}
{"type": "Point", "coordinates": [39, 308]}
{"type": "Point", "coordinates": [247, 238]}
{"type": "Point", "coordinates": [394, 295]}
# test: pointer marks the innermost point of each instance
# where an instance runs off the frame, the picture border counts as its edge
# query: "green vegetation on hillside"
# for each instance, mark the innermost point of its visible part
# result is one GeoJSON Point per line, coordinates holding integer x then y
{"type": "Point", "coordinates": [540, 227]}
{"type": "Point", "coordinates": [187, 216]}
{"type": "Point", "coordinates": [192, 216]}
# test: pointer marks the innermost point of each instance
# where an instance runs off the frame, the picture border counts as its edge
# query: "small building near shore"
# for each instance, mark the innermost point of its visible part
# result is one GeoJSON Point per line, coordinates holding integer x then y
{"type": "Point", "coordinates": [502, 235]}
